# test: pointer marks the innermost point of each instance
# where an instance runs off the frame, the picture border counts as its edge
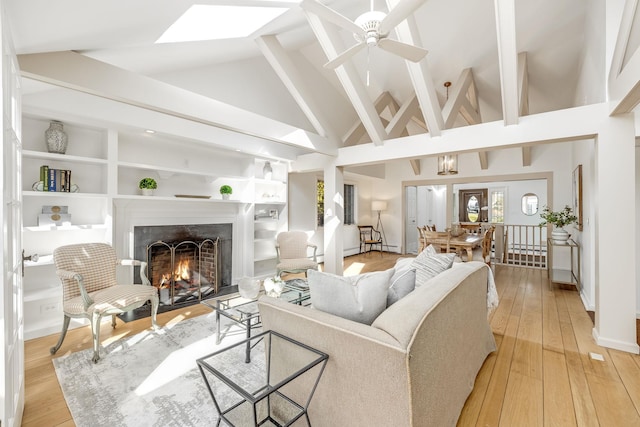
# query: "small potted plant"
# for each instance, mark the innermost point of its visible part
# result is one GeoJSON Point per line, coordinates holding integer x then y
{"type": "Point", "coordinates": [226, 191]}
{"type": "Point", "coordinates": [558, 220]}
{"type": "Point", "coordinates": [147, 185]}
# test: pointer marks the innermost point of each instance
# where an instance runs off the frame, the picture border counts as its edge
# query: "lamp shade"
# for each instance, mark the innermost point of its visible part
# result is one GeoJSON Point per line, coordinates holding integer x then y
{"type": "Point", "coordinates": [378, 205]}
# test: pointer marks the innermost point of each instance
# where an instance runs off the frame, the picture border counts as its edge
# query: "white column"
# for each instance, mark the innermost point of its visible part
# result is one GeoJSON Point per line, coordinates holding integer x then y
{"type": "Point", "coordinates": [615, 323]}
{"type": "Point", "coordinates": [333, 218]}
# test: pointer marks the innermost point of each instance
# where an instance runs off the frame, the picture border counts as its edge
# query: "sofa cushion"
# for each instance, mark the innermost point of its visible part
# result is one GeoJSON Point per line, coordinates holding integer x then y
{"type": "Point", "coordinates": [403, 280]}
{"type": "Point", "coordinates": [429, 264]}
{"type": "Point", "coordinates": [360, 298]}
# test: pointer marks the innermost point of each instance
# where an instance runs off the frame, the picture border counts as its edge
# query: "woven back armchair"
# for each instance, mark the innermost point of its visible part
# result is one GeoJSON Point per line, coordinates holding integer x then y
{"type": "Point", "coordinates": [90, 289]}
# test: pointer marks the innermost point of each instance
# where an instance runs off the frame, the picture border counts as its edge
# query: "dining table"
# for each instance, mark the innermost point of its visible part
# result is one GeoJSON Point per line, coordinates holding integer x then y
{"type": "Point", "coordinates": [465, 241]}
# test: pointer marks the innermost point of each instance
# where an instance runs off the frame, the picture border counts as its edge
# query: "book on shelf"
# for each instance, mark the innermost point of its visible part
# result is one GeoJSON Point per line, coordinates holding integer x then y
{"type": "Point", "coordinates": [58, 180]}
{"type": "Point", "coordinates": [44, 177]}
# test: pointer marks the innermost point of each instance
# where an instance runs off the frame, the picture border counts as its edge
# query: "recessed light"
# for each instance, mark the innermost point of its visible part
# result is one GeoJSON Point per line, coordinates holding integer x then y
{"type": "Point", "coordinates": [150, 131]}
{"type": "Point", "coordinates": [212, 22]}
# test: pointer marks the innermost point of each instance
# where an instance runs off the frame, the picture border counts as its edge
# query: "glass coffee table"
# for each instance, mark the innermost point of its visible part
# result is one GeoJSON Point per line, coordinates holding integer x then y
{"type": "Point", "coordinates": [244, 312]}
{"type": "Point", "coordinates": [252, 393]}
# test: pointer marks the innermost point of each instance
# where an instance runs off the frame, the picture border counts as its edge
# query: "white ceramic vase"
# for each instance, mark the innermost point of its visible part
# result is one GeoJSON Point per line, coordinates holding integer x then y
{"type": "Point", "coordinates": [559, 235]}
{"type": "Point", "coordinates": [248, 287]}
{"type": "Point", "coordinates": [147, 191]}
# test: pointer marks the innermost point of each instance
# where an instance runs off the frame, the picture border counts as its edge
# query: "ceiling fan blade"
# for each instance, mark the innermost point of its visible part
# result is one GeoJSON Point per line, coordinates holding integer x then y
{"type": "Point", "coordinates": [330, 15]}
{"type": "Point", "coordinates": [399, 14]}
{"type": "Point", "coordinates": [407, 51]}
{"type": "Point", "coordinates": [344, 56]}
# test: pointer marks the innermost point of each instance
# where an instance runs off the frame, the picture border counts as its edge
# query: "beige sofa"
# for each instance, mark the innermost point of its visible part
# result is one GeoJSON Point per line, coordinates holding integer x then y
{"type": "Point", "coordinates": [414, 366]}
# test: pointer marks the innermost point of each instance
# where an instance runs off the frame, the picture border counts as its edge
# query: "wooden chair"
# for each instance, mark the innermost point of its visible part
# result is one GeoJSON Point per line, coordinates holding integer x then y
{"type": "Point", "coordinates": [90, 289]}
{"type": "Point", "coordinates": [371, 237]}
{"type": "Point", "coordinates": [421, 238]}
{"type": "Point", "coordinates": [292, 253]}
{"type": "Point", "coordinates": [439, 239]}
{"type": "Point", "coordinates": [484, 252]}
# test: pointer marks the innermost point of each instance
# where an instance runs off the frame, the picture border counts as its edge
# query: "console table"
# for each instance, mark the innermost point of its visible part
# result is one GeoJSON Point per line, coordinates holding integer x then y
{"type": "Point", "coordinates": [569, 276]}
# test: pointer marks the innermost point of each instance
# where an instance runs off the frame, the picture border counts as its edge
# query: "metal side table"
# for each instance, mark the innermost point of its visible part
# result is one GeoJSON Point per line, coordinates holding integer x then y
{"type": "Point", "coordinates": [251, 393]}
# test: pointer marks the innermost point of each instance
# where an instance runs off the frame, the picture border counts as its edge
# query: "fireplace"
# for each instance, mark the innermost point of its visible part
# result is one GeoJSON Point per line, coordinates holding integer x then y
{"type": "Point", "coordinates": [186, 263]}
{"type": "Point", "coordinates": [185, 271]}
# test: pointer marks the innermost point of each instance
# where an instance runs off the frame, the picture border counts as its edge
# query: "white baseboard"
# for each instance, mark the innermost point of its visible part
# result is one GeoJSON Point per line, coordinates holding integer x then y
{"type": "Point", "coordinates": [629, 347]}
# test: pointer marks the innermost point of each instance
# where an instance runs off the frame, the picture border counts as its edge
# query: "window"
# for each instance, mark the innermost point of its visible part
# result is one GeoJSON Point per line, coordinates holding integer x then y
{"type": "Point", "coordinates": [497, 206]}
{"type": "Point", "coordinates": [349, 203]}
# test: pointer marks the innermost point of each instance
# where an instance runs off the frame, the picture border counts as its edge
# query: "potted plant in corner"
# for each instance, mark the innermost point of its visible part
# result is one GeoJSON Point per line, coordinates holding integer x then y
{"type": "Point", "coordinates": [147, 185]}
{"type": "Point", "coordinates": [558, 220]}
{"type": "Point", "coordinates": [226, 191]}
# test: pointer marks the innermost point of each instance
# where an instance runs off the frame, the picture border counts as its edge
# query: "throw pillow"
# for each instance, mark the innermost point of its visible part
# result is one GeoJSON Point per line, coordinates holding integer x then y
{"type": "Point", "coordinates": [360, 298]}
{"type": "Point", "coordinates": [429, 264]}
{"type": "Point", "coordinates": [402, 283]}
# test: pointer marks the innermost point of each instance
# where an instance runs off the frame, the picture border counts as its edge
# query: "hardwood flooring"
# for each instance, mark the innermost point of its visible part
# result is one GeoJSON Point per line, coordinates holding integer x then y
{"type": "Point", "coordinates": [541, 374]}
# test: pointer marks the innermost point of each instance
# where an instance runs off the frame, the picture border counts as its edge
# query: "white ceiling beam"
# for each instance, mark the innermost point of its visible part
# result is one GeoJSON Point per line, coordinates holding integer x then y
{"type": "Point", "coordinates": [555, 126]}
{"type": "Point", "coordinates": [295, 83]}
{"type": "Point", "coordinates": [400, 120]}
{"type": "Point", "coordinates": [457, 100]}
{"type": "Point", "coordinates": [484, 160]}
{"type": "Point", "coordinates": [624, 78]}
{"type": "Point", "coordinates": [523, 84]}
{"type": "Point", "coordinates": [357, 131]}
{"type": "Point", "coordinates": [353, 86]}
{"type": "Point", "coordinates": [507, 58]}
{"type": "Point", "coordinates": [526, 155]}
{"type": "Point", "coordinates": [407, 32]}
{"type": "Point", "coordinates": [81, 73]}
{"type": "Point", "coordinates": [523, 91]}
{"type": "Point", "coordinates": [415, 165]}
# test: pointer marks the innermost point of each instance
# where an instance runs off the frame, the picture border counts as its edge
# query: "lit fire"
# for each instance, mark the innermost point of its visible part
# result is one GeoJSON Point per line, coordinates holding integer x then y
{"type": "Point", "coordinates": [182, 272]}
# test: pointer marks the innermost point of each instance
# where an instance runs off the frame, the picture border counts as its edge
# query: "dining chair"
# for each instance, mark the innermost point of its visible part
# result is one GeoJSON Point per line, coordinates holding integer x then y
{"type": "Point", "coordinates": [90, 289]}
{"type": "Point", "coordinates": [483, 253]}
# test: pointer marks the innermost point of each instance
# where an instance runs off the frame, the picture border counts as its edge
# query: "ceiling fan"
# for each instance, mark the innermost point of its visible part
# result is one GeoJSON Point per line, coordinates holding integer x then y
{"type": "Point", "coordinates": [371, 29]}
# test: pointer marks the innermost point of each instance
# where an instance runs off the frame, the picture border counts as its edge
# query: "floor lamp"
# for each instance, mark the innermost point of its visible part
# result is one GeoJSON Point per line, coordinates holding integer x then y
{"type": "Point", "coordinates": [380, 205]}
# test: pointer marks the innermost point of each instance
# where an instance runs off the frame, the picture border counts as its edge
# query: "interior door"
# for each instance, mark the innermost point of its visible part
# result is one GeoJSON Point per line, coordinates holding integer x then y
{"type": "Point", "coordinates": [472, 203]}
{"type": "Point", "coordinates": [11, 313]}
{"type": "Point", "coordinates": [411, 237]}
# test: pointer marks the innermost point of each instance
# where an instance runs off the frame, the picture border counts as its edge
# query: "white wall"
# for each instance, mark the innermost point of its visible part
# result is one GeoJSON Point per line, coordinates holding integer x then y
{"type": "Point", "coordinates": [302, 210]}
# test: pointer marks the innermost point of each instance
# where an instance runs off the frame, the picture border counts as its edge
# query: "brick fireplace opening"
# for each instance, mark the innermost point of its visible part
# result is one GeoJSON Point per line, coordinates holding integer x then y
{"type": "Point", "coordinates": [183, 271]}
{"type": "Point", "coordinates": [186, 263]}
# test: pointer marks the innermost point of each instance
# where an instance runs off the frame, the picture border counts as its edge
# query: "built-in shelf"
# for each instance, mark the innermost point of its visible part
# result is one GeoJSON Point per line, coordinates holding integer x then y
{"type": "Point", "coordinates": [30, 154]}
{"type": "Point", "coordinates": [79, 195]}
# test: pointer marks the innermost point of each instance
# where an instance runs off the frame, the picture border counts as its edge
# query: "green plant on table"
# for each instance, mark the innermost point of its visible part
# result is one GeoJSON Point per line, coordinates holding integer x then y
{"type": "Point", "coordinates": [559, 219]}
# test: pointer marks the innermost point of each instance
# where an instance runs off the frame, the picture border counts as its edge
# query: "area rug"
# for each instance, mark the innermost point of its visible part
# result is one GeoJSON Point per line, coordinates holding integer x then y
{"type": "Point", "coordinates": [149, 379]}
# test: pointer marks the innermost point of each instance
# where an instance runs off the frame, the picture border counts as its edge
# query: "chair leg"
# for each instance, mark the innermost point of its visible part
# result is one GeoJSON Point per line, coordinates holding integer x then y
{"type": "Point", "coordinates": [65, 326]}
{"type": "Point", "coordinates": [113, 321]}
{"type": "Point", "coordinates": [154, 311]}
{"type": "Point", "coordinates": [95, 332]}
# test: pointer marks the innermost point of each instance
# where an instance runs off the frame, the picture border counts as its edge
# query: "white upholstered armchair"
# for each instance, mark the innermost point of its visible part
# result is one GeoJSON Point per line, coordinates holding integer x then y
{"type": "Point", "coordinates": [292, 252]}
{"type": "Point", "coordinates": [90, 289]}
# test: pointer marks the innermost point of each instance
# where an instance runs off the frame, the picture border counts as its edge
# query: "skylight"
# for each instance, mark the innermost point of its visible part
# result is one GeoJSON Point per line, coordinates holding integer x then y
{"type": "Point", "coordinates": [211, 22]}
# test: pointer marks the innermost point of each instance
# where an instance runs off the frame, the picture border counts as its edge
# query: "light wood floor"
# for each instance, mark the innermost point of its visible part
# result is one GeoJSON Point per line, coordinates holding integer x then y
{"type": "Point", "coordinates": [541, 374]}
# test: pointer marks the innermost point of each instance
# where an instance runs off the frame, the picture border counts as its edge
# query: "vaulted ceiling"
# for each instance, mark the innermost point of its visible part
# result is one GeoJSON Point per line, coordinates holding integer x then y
{"type": "Point", "coordinates": [504, 58]}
